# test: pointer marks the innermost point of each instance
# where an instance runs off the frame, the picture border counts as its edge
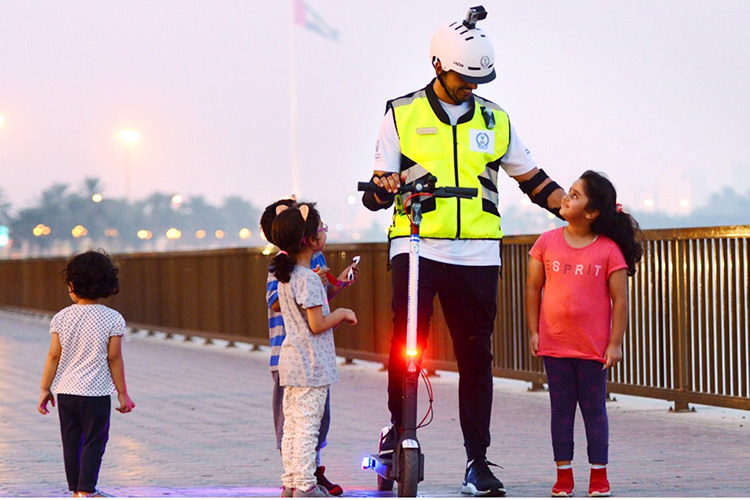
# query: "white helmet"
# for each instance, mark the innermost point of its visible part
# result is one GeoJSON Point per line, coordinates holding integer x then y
{"type": "Point", "coordinates": [464, 48]}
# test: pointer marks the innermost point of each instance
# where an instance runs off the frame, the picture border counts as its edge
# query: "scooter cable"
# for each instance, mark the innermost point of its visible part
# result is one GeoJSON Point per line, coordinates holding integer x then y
{"type": "Point", "coordinates": [408, 213]}
{"type": "Point", "coordinates": [430, 396]}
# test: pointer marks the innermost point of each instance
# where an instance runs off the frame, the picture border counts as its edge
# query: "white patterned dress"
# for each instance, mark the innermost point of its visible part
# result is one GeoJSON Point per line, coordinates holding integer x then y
{"type": "Point", "coordinates": [84, 331]}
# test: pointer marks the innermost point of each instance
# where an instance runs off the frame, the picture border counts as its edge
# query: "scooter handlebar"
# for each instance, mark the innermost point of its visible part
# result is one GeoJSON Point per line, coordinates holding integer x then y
{"type": "Point", "coordinates": [371, 186]}
{"type": "Point", "coordinates": [441, 192]}
{"type": "Point", "coordinates": [458, 192]}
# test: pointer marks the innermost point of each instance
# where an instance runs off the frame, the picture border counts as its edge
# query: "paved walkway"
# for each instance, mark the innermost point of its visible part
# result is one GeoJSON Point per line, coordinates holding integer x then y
{"type": "Point", "coordinates": [202, 428]}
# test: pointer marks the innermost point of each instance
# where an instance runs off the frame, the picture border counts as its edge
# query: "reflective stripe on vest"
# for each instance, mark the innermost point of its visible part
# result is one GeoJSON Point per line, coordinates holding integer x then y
{"type": "Point", "coordinates": [465, 155]}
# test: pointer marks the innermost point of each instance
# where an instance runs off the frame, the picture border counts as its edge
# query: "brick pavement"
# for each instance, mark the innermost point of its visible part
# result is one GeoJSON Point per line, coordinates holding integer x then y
{"type": "Point", "coordinates": [202, 428]}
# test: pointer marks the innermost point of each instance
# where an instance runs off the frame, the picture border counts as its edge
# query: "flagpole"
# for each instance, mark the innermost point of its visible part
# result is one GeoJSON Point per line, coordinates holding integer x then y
{"type": "Point", "coordinates": [293, 111]}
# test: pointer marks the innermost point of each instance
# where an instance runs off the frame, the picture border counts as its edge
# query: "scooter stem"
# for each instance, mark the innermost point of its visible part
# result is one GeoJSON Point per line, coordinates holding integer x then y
{"type": "Point", "coordinates": [412, 302]}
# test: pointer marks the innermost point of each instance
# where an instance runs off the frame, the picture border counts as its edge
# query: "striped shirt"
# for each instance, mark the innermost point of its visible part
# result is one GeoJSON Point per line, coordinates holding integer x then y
{"type": "Point", "coordinates": [276, 331]}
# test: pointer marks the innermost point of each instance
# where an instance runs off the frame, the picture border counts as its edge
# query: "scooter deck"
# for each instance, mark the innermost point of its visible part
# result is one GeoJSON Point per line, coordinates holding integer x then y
{"type": "Point", "coordinates": [383, 467]}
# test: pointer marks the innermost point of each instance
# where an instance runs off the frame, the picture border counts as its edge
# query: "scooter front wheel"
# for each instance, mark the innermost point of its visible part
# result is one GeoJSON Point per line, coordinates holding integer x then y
{"type": "Point", "coordinates": [408, 472]}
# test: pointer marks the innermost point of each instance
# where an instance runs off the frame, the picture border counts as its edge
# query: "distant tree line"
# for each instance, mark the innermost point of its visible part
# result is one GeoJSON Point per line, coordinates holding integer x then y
{"type": "Point", "coordinates": [64, 220]}
{"type": "Point", "coordinates": [724, 208]}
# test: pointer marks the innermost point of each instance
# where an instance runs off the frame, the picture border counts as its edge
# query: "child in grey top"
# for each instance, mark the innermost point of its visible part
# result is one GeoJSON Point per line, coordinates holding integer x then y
{"type": "Point", "coordinates": [307, 362]}
{"type": "Point", "coordinates": [307, 359]}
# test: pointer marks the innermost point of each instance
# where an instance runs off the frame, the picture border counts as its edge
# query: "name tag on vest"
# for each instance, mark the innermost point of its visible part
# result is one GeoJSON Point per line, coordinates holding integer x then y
{"type": "Point", "coordinates": [427, 130]}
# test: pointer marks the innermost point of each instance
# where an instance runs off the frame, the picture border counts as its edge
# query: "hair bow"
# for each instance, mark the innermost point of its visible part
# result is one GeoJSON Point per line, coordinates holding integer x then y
{"type": "Point", "coordinates": [303, 209]}
{"type": "Point", "coordinates": [280, 208]}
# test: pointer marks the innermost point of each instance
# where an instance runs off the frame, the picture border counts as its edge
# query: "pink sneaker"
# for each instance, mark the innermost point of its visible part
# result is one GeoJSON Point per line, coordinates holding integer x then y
{"type": "Point", "coordinates": [333, 489]}
{"type": "Point", "coordinates": [564, 485]}
{"type": "Point", "coordinates": [598, 484]}
{"type": "Point", "coordinates": [287, 492]}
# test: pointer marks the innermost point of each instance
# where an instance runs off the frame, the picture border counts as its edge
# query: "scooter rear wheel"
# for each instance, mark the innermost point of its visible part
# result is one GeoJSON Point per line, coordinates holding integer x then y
{"type": "Point", "coordinates": [408, 465]}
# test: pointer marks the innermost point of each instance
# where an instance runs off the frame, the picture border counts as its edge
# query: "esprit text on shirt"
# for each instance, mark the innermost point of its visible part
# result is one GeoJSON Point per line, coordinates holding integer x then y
{"type": "Point", "coordinates": [556, 266]}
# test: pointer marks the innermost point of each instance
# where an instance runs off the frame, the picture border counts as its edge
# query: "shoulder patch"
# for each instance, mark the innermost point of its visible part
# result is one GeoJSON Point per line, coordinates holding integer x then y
{"type": "Point", "coordinates": [487, 103]}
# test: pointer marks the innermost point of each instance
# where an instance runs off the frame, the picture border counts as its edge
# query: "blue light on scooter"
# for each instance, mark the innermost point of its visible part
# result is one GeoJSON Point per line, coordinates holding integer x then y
{"type": "Point", "coordinates": [368, 463]}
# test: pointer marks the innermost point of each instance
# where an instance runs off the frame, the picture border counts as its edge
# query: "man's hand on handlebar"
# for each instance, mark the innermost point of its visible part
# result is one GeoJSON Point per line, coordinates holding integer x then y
{"type": "Point", "coordinates": [390, 181]}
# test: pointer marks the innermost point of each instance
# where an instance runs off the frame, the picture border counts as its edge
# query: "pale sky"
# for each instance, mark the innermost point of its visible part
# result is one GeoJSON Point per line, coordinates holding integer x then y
{"type": "Point", "coordinates": [654, 93]}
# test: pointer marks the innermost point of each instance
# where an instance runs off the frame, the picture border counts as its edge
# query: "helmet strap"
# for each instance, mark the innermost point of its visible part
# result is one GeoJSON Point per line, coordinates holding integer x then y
{"type": "Point", "coordinates": [445, 88]}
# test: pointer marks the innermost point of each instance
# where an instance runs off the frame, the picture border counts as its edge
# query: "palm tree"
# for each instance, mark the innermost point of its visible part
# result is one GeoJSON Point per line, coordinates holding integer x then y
{"type": "Point", "coordinates": [90, 187]}
{"type": "Point", "coordinates": [54, 197]}
{"type": "Point", "coordinates": [240, 213]}
{"type": "Point", "coordinates": [5, 208]}
{"type": "Point", "coordinates": [53, 210]}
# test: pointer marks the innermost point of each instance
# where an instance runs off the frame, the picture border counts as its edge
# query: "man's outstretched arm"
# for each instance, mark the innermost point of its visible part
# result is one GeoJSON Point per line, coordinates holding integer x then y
{"type": "Point", "coordinates": [542, 190]}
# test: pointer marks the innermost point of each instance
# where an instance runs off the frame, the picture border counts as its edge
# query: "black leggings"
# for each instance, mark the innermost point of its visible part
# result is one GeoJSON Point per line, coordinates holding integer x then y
{"type": "Point", "coordinates": [578, 382]}
{"type": "Point", "coordinates": [84, 425]}
{"type": "Point", "coordinates": [468, 297]}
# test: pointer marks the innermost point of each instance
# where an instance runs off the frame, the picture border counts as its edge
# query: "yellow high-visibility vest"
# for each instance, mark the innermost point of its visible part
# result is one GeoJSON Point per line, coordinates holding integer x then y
{"type": "Point", "coordinates": [463, 155]}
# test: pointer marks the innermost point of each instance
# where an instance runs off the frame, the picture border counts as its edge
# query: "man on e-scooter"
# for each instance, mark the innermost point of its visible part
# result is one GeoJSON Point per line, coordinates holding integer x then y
{"type": "Point", "coordinates": [462, 139]}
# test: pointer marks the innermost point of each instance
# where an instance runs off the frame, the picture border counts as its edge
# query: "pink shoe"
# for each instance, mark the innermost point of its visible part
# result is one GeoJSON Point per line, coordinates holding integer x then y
{"type": "Point", "coordinates": [564, 485]}
{"type": "Point", "coordinates": [287, 492]}
{"type": "Point", "coordinates": [333, 489]}
{"type": "Point", "coordinates": [598, 484]}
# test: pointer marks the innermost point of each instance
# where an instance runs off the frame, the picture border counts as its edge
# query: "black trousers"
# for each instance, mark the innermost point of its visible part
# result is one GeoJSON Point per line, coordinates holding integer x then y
{"type": "Point", "coordinates": [84, 426]}
{"type": "Point", "coordinates": [468, 297]}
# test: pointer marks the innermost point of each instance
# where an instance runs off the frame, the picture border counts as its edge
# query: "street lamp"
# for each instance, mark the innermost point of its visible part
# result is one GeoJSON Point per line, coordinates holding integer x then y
{"type": "Point", "coordinates": [79, 231]}
{"type": "Point", "coordinates": [128, 138]}
{"type": "Point", "coordinates": [177, 201]}
{"type": "Point", "coordinates": [41, 230]}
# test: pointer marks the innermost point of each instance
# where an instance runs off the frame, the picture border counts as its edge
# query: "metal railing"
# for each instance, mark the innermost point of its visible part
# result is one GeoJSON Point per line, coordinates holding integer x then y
{"type": "Point", "coordinates": [688, 336]}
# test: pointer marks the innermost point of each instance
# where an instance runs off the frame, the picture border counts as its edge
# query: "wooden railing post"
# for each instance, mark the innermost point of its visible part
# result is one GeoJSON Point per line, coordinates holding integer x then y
{"type": "Point", "coordinates": [681, 327]}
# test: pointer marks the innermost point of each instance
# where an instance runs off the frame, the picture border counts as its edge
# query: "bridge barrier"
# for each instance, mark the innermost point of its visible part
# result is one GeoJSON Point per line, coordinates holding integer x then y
{"type": "Point", "coordinates": [688, 338]}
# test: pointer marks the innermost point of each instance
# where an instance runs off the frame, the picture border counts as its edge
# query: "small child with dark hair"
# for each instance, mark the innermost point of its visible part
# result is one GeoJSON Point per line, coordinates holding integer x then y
{"type": "Point", "coordinates": [84, 367]}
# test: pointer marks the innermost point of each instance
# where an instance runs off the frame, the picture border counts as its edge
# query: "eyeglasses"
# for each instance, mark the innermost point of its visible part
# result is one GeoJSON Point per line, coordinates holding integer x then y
{"type": "Point", "coordinates": [323, 228]}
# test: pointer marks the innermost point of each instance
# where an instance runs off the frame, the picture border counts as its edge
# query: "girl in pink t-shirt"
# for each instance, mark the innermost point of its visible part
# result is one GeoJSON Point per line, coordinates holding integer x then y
{"type": "Point", "coordinates": [578, 324]}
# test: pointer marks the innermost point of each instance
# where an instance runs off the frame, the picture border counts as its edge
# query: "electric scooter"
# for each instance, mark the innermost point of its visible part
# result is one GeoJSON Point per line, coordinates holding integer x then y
{"type": "Point", "coordinates": [407, 465]}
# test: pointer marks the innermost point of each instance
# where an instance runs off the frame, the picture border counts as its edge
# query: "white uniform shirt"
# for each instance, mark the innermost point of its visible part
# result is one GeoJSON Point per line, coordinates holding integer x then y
{"type": "Point", "coordinates": [307, 359]}
{"type": "Point", "coordinates": [84, 332]}
{"type": "Point", "coordinates": [516, 161]}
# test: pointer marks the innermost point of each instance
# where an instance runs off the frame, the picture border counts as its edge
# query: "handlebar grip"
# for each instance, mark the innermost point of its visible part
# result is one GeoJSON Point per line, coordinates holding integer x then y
{"type": "Point", "coordinates": [371, 186]}
{"type": "Point", "coordinates": [368, 186]}
{"type": "Point", "coordinates": [458, 191]}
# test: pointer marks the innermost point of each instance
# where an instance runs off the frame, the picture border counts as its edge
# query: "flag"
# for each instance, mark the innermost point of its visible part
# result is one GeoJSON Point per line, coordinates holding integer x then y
{"type": "Point", "coordinates": [308, 18]}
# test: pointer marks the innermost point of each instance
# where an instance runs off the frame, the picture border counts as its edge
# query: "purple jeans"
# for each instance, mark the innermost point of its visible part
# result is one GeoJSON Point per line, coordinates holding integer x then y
{"type": "Point", "coordinates": [579, 382]}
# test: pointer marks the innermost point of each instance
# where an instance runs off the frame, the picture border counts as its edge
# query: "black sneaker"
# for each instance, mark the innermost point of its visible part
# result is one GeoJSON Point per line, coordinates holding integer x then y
{"type": "Point", "coordinates": [387, 442]}
{"type": "Point", "coordinates": [479, 480]}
